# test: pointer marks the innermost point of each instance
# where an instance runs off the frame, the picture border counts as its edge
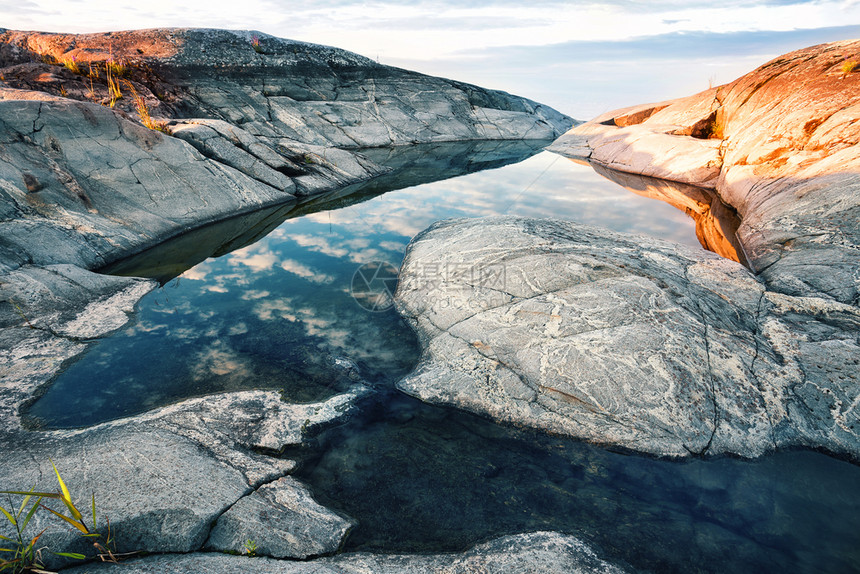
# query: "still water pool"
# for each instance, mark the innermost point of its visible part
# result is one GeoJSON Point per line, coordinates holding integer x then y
{"type": "Point", "coordinates": [265, 301]}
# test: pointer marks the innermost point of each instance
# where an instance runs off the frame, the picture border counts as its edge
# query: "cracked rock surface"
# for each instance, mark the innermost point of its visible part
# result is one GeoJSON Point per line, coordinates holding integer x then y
{"type": "Point", "coordinates": [626, 341]}
{"type": "Point", "coordinates": [166, 477]}
{"type": "Point", "coordinates": [283, 520]}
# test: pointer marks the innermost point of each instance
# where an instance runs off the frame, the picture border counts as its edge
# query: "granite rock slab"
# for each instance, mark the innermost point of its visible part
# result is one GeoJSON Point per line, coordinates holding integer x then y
{"type": "Point", "coordinates": [626, 341]}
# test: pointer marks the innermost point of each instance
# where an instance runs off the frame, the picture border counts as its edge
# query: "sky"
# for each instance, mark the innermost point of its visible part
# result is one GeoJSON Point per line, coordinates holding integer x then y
{"type": "Point", "coordinates": [583, 58]}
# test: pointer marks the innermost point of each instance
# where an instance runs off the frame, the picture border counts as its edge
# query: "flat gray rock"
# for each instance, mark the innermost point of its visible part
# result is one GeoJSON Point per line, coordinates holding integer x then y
{"type": "Point", "coordinates": [625, 341]}
{"type": "Point", "coordinates": [538, 552]}
{"type": "Point", "coordinates": [164, 478]}
{"type": "Point", "coordinates": [282, 520]}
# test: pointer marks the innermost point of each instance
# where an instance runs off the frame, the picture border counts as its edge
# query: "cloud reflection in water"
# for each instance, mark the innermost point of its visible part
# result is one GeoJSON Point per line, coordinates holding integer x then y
{"type": "Point", "coordinates": [271, 313]}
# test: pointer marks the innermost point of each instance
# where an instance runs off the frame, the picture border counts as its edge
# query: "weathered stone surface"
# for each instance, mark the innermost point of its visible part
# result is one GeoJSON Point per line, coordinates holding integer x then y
{"type": "Point", "coordinates": [537, 552]}
{"type": "Point", "coordinates": [283, 521]}
{"type": "Point", "coordinates": [278, 88]}
{"type": "Point", "coordinates": [634, 149]}
{"type": "Point", "coordinates": [779, 145]}
{"type": "Point", "coordinates": [108, 186]}
{"type": "Point", "coordinates": [626, 341]}
{"type": "Point", "coordinates": [165, 477]}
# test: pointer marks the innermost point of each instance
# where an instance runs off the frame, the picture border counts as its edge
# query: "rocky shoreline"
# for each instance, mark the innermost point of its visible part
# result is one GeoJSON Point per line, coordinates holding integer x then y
{"type": "Point", "coordinates": [615, 339]}
{"type": "Point", "coordinates": [634, 343]}
{"type": "Point", "coordinates": [234, 122]}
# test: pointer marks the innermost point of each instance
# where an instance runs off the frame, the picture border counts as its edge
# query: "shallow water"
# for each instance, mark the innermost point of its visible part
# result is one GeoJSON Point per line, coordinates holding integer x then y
{"type": "Point", "coordinates": [273, 305]}
{"type": "Point", "coordinates": [266, 301]}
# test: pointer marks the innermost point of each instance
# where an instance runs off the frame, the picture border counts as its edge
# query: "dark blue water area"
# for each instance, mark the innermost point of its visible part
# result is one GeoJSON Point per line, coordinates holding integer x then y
{"type": "Point", "coordinates": [266, 301]}
{"type": "Point", "coordinates": [425, 478]}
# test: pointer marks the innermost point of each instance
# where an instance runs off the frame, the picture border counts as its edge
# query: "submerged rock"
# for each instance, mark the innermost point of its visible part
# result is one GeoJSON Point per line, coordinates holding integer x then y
{"type": "Point", "coordinates": [625, 341]}
{"type": "Point", "coordinates": [537, 552]}
{"type": "Point", "coordinates": [47, 315]}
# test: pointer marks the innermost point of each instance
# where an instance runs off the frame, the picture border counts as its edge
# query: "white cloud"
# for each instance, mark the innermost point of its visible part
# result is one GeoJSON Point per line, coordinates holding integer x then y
{"type": "Point", "coordinates": [252, 294]}
{"type": "Point", "coordinates": [143, 327]}
{"type": "Point", "coordinates": [371, 255]}
{"type": "Point", "coordinates": [256, 257]}
{"type": "Point", "coordinates": [395, 246]}
{"type": "Point", "coordinates": [275, 309]}
{"type": "Point", "coordinates": [305, 272]}
{"type": "Point", "coordinates": [219, 360]}
{"type": "Point", "coordinates": [197, 273]}
{"type": "Point", "coordinates": [431, 30]}
{"type": "Point", "coordinates": [319, 244]}
{"type": "Point", "coordinates": [238, 329]}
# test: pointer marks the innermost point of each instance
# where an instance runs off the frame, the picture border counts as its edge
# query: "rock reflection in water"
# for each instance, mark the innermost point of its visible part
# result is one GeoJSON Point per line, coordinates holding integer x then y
{"type": "Point", "coordinates": [410, 166]}
{"type": "Point", "coordinates": [262, 301]}
{"type": "Point", "coordinates": [716, 223]}
{"type": "Point", "coordinates": [422, 478]}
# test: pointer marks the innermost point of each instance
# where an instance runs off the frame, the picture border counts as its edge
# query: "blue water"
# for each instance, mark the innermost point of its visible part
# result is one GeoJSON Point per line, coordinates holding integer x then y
{"type": "Point", "coordinates": [428, 479]}
{"type": "Point", "coordinates": [267, 301]}
{"type": "Point", "coordinates": [277, 312]}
